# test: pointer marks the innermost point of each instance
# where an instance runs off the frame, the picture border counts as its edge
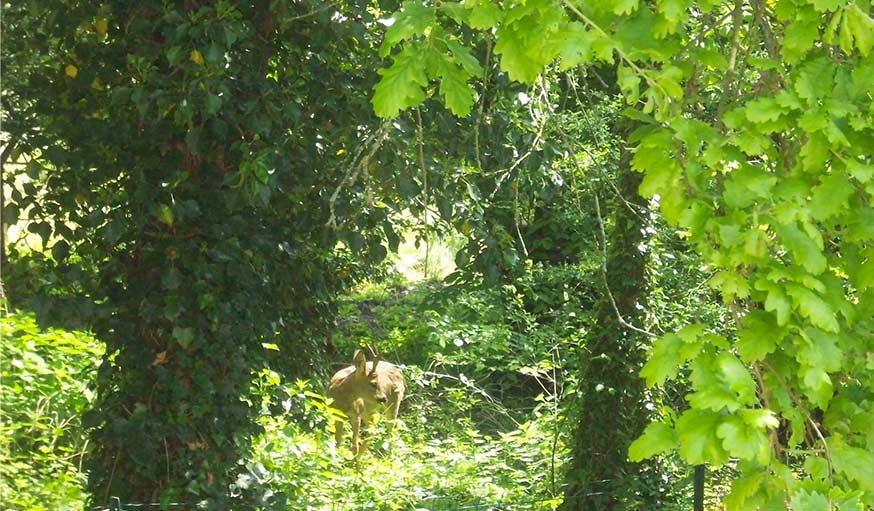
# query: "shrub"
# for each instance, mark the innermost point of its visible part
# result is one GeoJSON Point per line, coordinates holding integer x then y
{"type": "Point", "coordinates": [45, 389]}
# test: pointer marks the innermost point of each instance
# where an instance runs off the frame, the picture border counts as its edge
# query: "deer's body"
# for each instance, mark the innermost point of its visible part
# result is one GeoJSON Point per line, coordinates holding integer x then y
{"type": "Point", "coordinates": [361, 389]}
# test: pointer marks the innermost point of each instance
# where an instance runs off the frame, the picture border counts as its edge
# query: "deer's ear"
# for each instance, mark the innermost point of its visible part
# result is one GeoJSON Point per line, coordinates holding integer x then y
{"type": "Point", "coordinates": [360, 362]}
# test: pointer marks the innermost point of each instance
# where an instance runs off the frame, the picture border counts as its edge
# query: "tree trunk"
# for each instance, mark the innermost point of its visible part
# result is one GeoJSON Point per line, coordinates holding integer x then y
{"type": "Point", "coordinates": [610, 411]}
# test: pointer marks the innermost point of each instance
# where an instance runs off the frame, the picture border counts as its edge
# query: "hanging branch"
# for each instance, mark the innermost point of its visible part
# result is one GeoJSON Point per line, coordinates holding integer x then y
{"type": "Point", "coordinates": [373, 142]}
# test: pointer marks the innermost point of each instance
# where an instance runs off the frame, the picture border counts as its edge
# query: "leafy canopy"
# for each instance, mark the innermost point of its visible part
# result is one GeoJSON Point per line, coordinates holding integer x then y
{"type": "Point", "coordinates": [757, 123]}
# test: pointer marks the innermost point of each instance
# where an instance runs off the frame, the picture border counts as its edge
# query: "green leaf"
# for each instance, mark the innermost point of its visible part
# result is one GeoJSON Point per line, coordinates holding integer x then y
{"type": "Point", "coordinates": [515, 59]}
{"type": "Point", "coordinates": [669, 353]}
{"type": "Point", "coordinates": [463, 57]}
{"type": "Point", "coordinates": [854, 463]}
{"type": "Point", "coordinates": [721, 382]}
{"type": "Point", "coordinates": [817, 467]}
{"type": "Point", "coordinates": [763, 110]}
{"type": "Point", "coordinates": [656, 439]}
{"type": "Point", "coordinates": [411, 20]}
{"type": "Point", "coordinates": [861, 171]}
{"type": "Point", "coordinates": [821, 349]}
{"type": "Point", "coordinates": [457, 94]}
{"type": "Point", "coordinates": [629, 83]}
{"type": "Point", "coordinates": [164, 214]}
{"type": "Point", "coordinates": [696, 430]}
{"type": "Point", "coordinates": [60, 250]}
{"type": "Point", "coordinates": [804, 500]}
{"type": "Point", "coordinates": [830, 197]}
{"type": "Point", "coordinates": [485, 15]}
{"type": "Point", "coordinates": [758, 336]}
{"type": "Point", "coordinates": [743, 487]}
{"type": "Point", "coordinates": [743, 440]}
{"type": "Point", "coordinates": [732, 285]}
{"type": "Point", "coordinates": [810, 83]}
{"type": "Point", "coordinates": [183, 336]}
{"type": "Point", "coordinates": [575, 45]}
{"type": "Point", "coordinates": [805, 250]}
{"type": "Point", "coordinates": [776, 300]}
{"type": "Point", "coordinates": [737, 377]}
{"type": "Point", "coordinates": [800, 35]}
{"type": "Point", "coordinates": [747, 184]}
{"type": "Point", "coordinates": [817, 385]}
{"type": "Point", "coordinates": [861, 26]}
{"type": "Point", "coordinates": [213, 104]}
{"type": "Point", "coordinates": [621, 7]}
{"type": "Point", "coordinates": [811, 306]}
{"type": "Point", "coordinates": [402, 84]}
{"type": "Point", "coordinates": [828, 5]}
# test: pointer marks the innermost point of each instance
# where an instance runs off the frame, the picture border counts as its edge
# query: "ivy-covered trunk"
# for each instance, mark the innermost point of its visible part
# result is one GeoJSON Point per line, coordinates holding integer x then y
{"type": "Point", "coordinates": [609, 413]}
{"type": "Point", "coordinates": [181, 160]}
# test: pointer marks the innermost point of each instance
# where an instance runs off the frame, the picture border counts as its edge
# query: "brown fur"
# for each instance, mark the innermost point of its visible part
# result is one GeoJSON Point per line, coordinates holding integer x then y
{"type": "Point", "coordinates": [359, 391]}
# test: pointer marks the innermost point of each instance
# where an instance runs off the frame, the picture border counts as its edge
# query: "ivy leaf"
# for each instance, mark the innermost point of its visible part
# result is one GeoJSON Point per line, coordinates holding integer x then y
{"type": "Point", "coordinates": [401, 85]}
{"type": "Point", "coordinates": [411, 20]}
{"type": "Point", "coordinates": [183, 336]}
{"type": "Point", "coordinates": [699, 442]}
{"type": "Point", "coordinates": [656, 439]}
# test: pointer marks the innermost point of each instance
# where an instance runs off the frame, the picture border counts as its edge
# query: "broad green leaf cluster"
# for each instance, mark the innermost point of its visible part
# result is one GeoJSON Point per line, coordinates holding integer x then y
{"type": "Point", "coordinates": [758, 124]}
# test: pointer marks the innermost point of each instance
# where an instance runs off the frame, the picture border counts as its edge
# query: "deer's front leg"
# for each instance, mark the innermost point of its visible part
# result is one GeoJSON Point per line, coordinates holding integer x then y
{"type": "Point", "coordinates": [357, 419]}
{"type": "Point", "coordinates": [339, 424]}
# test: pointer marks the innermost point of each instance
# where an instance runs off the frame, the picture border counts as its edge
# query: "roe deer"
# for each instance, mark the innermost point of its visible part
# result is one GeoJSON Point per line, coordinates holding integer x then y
{"type": "Point", "coordinates": [358, 390]}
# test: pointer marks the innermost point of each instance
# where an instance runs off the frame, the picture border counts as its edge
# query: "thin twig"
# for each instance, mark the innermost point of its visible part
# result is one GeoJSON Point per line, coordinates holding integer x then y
{"type": "Point", "coordinates": [603, 272]}
{"type": "Point", "coordinates": [313, 12]}
{"type": "Point", "coordinates": [374, 141]}
{"type": "Point", "coordinates": [481, 107]}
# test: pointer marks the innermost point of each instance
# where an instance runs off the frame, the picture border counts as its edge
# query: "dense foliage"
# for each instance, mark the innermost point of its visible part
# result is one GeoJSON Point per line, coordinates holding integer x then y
{"type": "Point", "coordinates": [46, 379]}
{"type": "Point", "coordinates": [757, 123]}
{"type": "Point", "coordinates": [184, 161]}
